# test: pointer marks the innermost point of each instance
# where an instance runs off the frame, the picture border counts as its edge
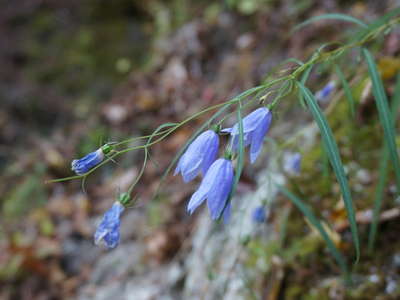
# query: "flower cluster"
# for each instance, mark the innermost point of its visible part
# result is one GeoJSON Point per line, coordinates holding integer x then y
{"type": "Point", "coordinates": [200, 157]}
{"type": "Point", "coordinates": [216, 185]}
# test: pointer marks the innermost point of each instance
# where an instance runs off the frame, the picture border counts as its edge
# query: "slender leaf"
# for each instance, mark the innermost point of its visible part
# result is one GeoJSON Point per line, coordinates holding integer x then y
{"type": "Point", "coordinates": [334, 158]}
{"type": "Point", "coordinates": [307, 212]}
{"type": "Point", "coordinates": [339, 17]}
{"type": "Point", "coordinates": [240, 161]}
{"type": "Point", "coordinates": [396, 100]}
{"type": "Point", "coordinates": [384, 114]}
{"type": "Point", "coordinates": [383, 174]}
{"type": "Point", "coordinates": [303, 80]}
{"type": "Point", "coordinates": [294, 60]}
{"type": "Point", "coordinates": [347, 90]}
{"type": "Point", "coordinates": [377, 23]}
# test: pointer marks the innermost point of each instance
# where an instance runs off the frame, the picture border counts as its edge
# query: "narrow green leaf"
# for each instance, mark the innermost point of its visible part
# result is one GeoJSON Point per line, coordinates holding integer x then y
{"type": "Point", "coordinates": [334, 158]}
{"type": "Point", "coordinates": [339, 17]}
{"type": "Point", "coordinates": [396, 100]}
{"type": "Point", "coordinates": [303, 80]}
{"type": "Point", "coordinates": [384, 114]}
{"type": "Point", "coordinates": [383, 174]}
{"type": "Point", "coordinates": [377, 23]}
{"type": "Point", "coordinates": [307, 212]}
{"type": "Point", "coordinates": [347, 90]}
{"type": "Point", "coordinates": [240, 161]}
{"type": "Point", "coordinates": [305, 75]}
{"type": "Point", "coordinates": [294, 60]}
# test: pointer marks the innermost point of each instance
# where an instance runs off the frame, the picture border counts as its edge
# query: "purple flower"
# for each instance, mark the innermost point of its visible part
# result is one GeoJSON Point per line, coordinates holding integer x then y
{"type": "Point", "coordinates": [84, 164]}
{"type": "Point", "coordinates": [215, 187]}
{"type": "Point", "coordinates": [255, 127]}
{"type": "Point", "coordinates": [259, 214]}
{"type": "Point", "coordinates": [108, 230]}
{"type": "Point", "coordinates": [226, 215]}
{"type": "Point", "coordinates": [199, 156]}
{"type": "Point", "coordinates": [292, 163]}
{"type": "Point", "coordinates": [323, 94]}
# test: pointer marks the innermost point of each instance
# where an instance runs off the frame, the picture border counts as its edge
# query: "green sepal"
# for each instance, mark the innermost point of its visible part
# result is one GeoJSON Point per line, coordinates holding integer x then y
{"type": "Point", "coordinates": [228, 155]}
{"type": "Point", "coordinates": [216, 128]}
{"type": "Point", "coordinates": [124, 198]}
{"type": "Point", "coordinates": [107, 148]}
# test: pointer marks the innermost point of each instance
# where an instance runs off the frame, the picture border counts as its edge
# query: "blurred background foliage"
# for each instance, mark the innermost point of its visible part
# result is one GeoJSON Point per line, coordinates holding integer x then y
{"type": "Point", "coordinates": [76, 74]}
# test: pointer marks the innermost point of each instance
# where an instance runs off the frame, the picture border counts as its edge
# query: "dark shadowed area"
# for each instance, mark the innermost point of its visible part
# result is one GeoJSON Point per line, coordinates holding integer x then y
{"type": "Point", "coordinates": [75, 75]}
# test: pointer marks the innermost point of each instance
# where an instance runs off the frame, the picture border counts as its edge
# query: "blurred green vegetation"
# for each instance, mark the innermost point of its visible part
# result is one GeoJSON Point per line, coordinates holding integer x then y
{"type": "Point", "coordinates": [68, 59]}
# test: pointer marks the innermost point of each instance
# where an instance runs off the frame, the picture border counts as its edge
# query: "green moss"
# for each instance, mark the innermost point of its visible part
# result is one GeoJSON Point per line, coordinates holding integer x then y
{"type": "Point", "coordinates": [26, 195]}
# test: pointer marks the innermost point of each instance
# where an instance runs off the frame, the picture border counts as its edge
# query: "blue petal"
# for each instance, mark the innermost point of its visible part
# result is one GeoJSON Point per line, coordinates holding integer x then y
{"type": "Point", "coordinates": [211, 153]}
{"type": "Point", "coordinates": [83, 165]}
{"type": "Point", "coordinates": [206, 185]}
{"type": "Point", "coordinates": [259, 214]}
{"type": "Point", "coordinates": [222, 185]}
{"type": "Point", "coordinates": [251, 127]}
{"type": "Point", "coordinates": [112, 238]}
{"type": "Point", "coordinates": [258, 137]}
{"type": "Point", "coordinates": [292, 163]}
{"type": "Point", "coordinates": [178, 166]}
{"type": "Point", "coordinates": [108, 229]}
{"type": "Point", "coordinates": [198, 156]}
{"type": "Point", "coordinates": [193, 167]}
{"type": "Point", "coordinates": [226, 215]}
{"type": "Point", "coordinates": [251, 121]}
{"type": "Point", "coordinates": [227, 130]}
{"type": "Point", "coordinates": [197, 199]}
{"type": "Point", "coordinates": [325, 92]}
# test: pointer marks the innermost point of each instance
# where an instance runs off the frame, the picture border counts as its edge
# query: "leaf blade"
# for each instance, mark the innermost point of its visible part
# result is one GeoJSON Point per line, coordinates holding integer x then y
{"type": "Point", "coordinates": [339, 17]}
{"type": "Point", "coordinates": [347, 90]}
{"type": "Point", "coordinates": [384, 113]}
{"type": "Point", "coordinates": [376, 24]}
{"type": "Point", "coordinates": [383, 173]}
{"type": "Point", "coordinates": [307, 212]}
{"type": "Point", "coordinates": [336, 163]}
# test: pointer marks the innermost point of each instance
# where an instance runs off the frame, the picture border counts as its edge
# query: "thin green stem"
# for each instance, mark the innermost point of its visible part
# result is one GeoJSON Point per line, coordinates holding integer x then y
{"type": "Point", "coordinates": [318, 57]}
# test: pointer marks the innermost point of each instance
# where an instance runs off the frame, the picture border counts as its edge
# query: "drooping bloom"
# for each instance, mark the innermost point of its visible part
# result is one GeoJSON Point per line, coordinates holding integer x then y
{"type": "Point", "coordinates": [108, 230]}
{"type": "Point", "coordinates": [84, 164]}
{"type": "Point", "coordinates": [323, 94]}
{"type": "Point", "coordinates": [255, 127]}
{"type": "Point", "coordinates": [199, 156]}
{"type": "Point", "coordinates": [292, 163]}
{"type": "Point", "coordinates": [215, 187]}
{"type": "Point", "coordinates": [259, 214]}
{"type": "Point", "coordinates": [226, 215]}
